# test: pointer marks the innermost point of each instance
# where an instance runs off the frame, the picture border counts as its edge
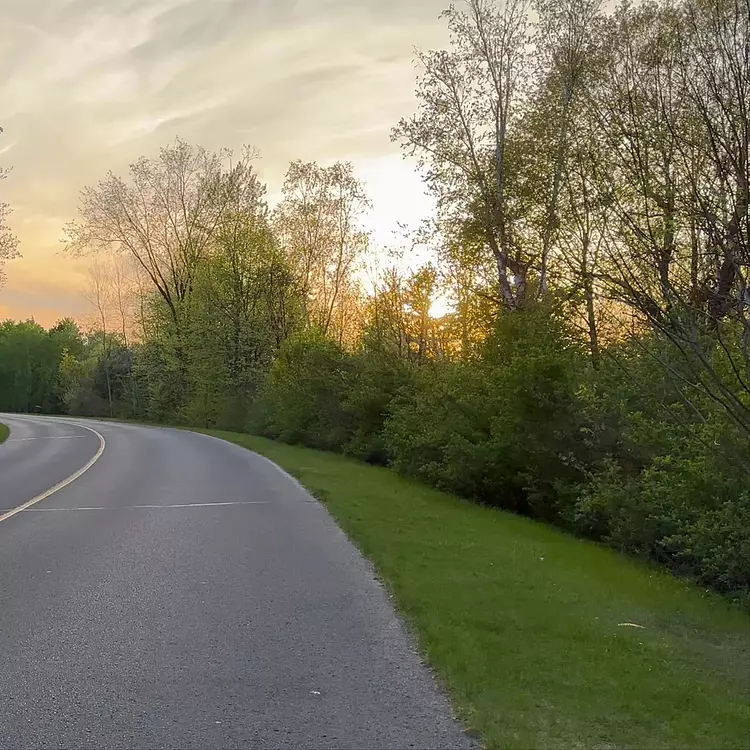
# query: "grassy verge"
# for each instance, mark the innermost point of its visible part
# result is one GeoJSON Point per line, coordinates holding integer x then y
{"type": "Point", "coordinates": [526, 626]}
{"type": "Point", "coordinates": [4, 432]}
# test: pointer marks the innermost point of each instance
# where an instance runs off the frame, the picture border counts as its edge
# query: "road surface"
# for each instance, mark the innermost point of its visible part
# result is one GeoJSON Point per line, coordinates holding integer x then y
{"type": "Point", "coordinates": [183, 592]}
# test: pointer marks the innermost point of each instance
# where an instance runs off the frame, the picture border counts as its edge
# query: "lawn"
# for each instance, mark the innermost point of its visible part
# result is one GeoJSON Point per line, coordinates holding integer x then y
{"type": "Point", "coordinates": [531, 631]}
{"type": "Point", "coordinates": [4, 432]}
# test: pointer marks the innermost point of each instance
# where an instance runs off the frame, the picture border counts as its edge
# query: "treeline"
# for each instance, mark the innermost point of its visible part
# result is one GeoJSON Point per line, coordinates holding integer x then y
{"type": "Point", "coordinates": [592, 370]}
{"type": "Point", "coordinates": [35, 365]}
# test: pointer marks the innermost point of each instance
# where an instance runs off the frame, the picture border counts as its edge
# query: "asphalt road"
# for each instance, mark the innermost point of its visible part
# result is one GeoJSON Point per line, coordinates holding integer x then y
{"type": "Point", "coordinates": [186, 593]}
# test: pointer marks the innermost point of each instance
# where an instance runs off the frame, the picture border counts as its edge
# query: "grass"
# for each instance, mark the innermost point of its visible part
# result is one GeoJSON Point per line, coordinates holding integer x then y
{"type": "Point", "coordinates": [4, 432]}
{"type": "Point", "coordinates": [524, 624]}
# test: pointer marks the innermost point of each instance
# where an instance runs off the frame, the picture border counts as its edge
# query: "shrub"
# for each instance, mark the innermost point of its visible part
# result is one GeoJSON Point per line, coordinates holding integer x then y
{"type": "Point", "coordinates": [439, 430]}
{"type": "Point", "coordinates": [304, 394]}
{"type": "Point", "coordinates": [680, 512]}
{"type": "Point", "coordinates": [506, 431]}
{"type": "Point", "coordinates": [619, 453]}
{"type": "Point", "coordinates": [376, 379]}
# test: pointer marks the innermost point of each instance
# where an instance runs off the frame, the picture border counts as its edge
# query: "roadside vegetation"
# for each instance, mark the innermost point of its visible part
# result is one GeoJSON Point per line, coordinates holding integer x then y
{"type": "Point", "coordinates": [541, 639]}
{"type": "Point", "coordinates": [576, 351]}
{"type": "Point", "coordinates": [4, 433]}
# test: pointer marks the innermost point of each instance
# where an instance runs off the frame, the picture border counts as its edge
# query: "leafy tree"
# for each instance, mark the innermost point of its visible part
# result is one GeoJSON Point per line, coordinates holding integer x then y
{"type": "Point", "coordinates": [506, 431]}
{"type": "Point", "coordinates": [671, 106]}
{"type": "Point", "coordinates": [462, 134]}
{"type": "Point", "coordinates": [31, 379]}
{"type": "Point", "coordinates": [304, 398]}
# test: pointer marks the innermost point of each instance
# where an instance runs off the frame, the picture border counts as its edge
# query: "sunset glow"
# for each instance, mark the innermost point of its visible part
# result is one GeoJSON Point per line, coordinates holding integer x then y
{"type": "Point", "coordinates": [90, 87]}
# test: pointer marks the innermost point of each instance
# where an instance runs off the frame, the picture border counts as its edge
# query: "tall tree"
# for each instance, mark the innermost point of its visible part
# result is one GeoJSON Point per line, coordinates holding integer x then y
{"type": "Point", "coordinates": [99, 296]}
{"type": "Point", "coordinates": [245, 304]}
{"type": "Point", "coordinates": [564, 52]}
{"type": "Point", "coordinates": [469, 99]}
{"type": "Point", "coordinates": [319, 225]}
{"type": "Point", "coordinates": [165, 216]}
{"type": "Point", "coordinates": [672, 107]}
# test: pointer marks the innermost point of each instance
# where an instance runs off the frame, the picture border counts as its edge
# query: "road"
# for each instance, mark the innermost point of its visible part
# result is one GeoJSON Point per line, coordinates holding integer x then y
{"type": "Point", "coordinates": [183, 592]}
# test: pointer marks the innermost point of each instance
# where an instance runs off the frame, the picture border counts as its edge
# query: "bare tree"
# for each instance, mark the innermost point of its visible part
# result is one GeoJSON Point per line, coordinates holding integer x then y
{"type": "Point", "coordinates": [99, 296]}
{"type": "Point", "coordinates": [319, 224]}
{"type": "Point", "coordinates": [122, 281]}
{"type": "Point", "coordinates": [164, 216]}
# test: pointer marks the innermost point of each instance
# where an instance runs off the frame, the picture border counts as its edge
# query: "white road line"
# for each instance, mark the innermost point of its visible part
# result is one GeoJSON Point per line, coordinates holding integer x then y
{"type": "Point", "coordinates": [46, 437]}
{"type": "Point", "coordinates": [265, 459]}
{"type": "Point", "coordinates": [65, 482]}
{"type": "Point", "coordinates": [131, 507]}
{"type": "Point", "coordinates": [203, 505]}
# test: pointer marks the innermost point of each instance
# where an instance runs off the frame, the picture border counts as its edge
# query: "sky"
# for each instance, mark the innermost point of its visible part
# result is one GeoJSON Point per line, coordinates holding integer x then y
{"type": "Point", "coordinates": [90, 85]}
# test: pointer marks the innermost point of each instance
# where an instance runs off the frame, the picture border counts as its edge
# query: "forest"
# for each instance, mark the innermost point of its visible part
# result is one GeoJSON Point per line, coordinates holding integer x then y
{"type": "Point", "coordinates": [589, 363]}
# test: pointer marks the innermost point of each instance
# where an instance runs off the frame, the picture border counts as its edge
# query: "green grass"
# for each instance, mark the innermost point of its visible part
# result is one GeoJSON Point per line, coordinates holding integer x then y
{"type": "Point", "coordinates": [4, 432]}
{"type": "Point", "coordinates": [522, 622]}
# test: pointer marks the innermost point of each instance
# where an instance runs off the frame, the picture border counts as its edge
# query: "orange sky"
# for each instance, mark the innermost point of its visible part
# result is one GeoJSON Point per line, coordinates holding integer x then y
{"type": "Point", "coordinates": [90, 86]}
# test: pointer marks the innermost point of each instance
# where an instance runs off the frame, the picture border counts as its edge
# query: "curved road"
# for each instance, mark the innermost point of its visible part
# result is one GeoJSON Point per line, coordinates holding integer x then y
{"type": "Point", "coordinates": [185, 593]}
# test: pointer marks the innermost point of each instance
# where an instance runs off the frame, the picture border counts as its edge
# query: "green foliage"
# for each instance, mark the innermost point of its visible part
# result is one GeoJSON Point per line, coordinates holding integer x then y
{"type": "Point", "coordinates": [620, 454]}
{"type": "Point", "coordinates": [623, 454]}
{"type": "Point", "coordinates": [669, 472]}
{"type": "Point", "coordinates": [319, 395]}
{"type": "Point", "coordinates": [303, 399]}
{"type": "Point", "coordinates": [31, 376]}
{"type": "Point", "coordinates": [157, 381]}
{"type": "Point", "coordinates": [378, 376]}
{"type": "Point", "coordinates": [505, 431]}
{"type": "Point", "coordinates": [679, 511]}
{"type": "Point", "coordinates": [440, 428]}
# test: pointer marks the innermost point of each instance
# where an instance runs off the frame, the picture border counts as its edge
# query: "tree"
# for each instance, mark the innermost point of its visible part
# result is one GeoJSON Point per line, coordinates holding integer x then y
{"type": "Point", "coordinates": [319, 226]}
{"type": "Point", "coordinates": [31, 377]}
{"type": "Point", "coordinates": [245, 304]}
{"type": "Point", "coordinates": [582, 233]}
{"type": "Point", "coordinates": [469, 100]}
{"type": "Point", "coordinates": [8, 241]}
{"type": "Point", "coordinates": [98, 295]}
{"type": "Point", "coordinates": [672, 106]}
{"type": "Point", "coordinates": [564, 51]}
{"type": "Point", "coordinates": [397, 317]}
{"type": "Point", "coordinates": [165, 216]}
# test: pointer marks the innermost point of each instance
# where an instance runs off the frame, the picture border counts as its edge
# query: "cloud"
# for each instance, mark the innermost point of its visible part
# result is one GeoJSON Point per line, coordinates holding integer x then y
{"type": "Point", "coordinates": [89, 86]}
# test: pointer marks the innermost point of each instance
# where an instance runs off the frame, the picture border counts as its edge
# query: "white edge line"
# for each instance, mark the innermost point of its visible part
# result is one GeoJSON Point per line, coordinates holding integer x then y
{"type": "Point", "coordinates": [267, 460]}
{"type": "Point", "coordinates": [65, 482]}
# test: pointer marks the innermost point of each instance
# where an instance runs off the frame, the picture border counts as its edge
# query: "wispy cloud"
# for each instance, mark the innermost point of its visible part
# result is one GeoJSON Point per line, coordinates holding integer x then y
{"type": "Point", "coordinates": [88, 86]}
